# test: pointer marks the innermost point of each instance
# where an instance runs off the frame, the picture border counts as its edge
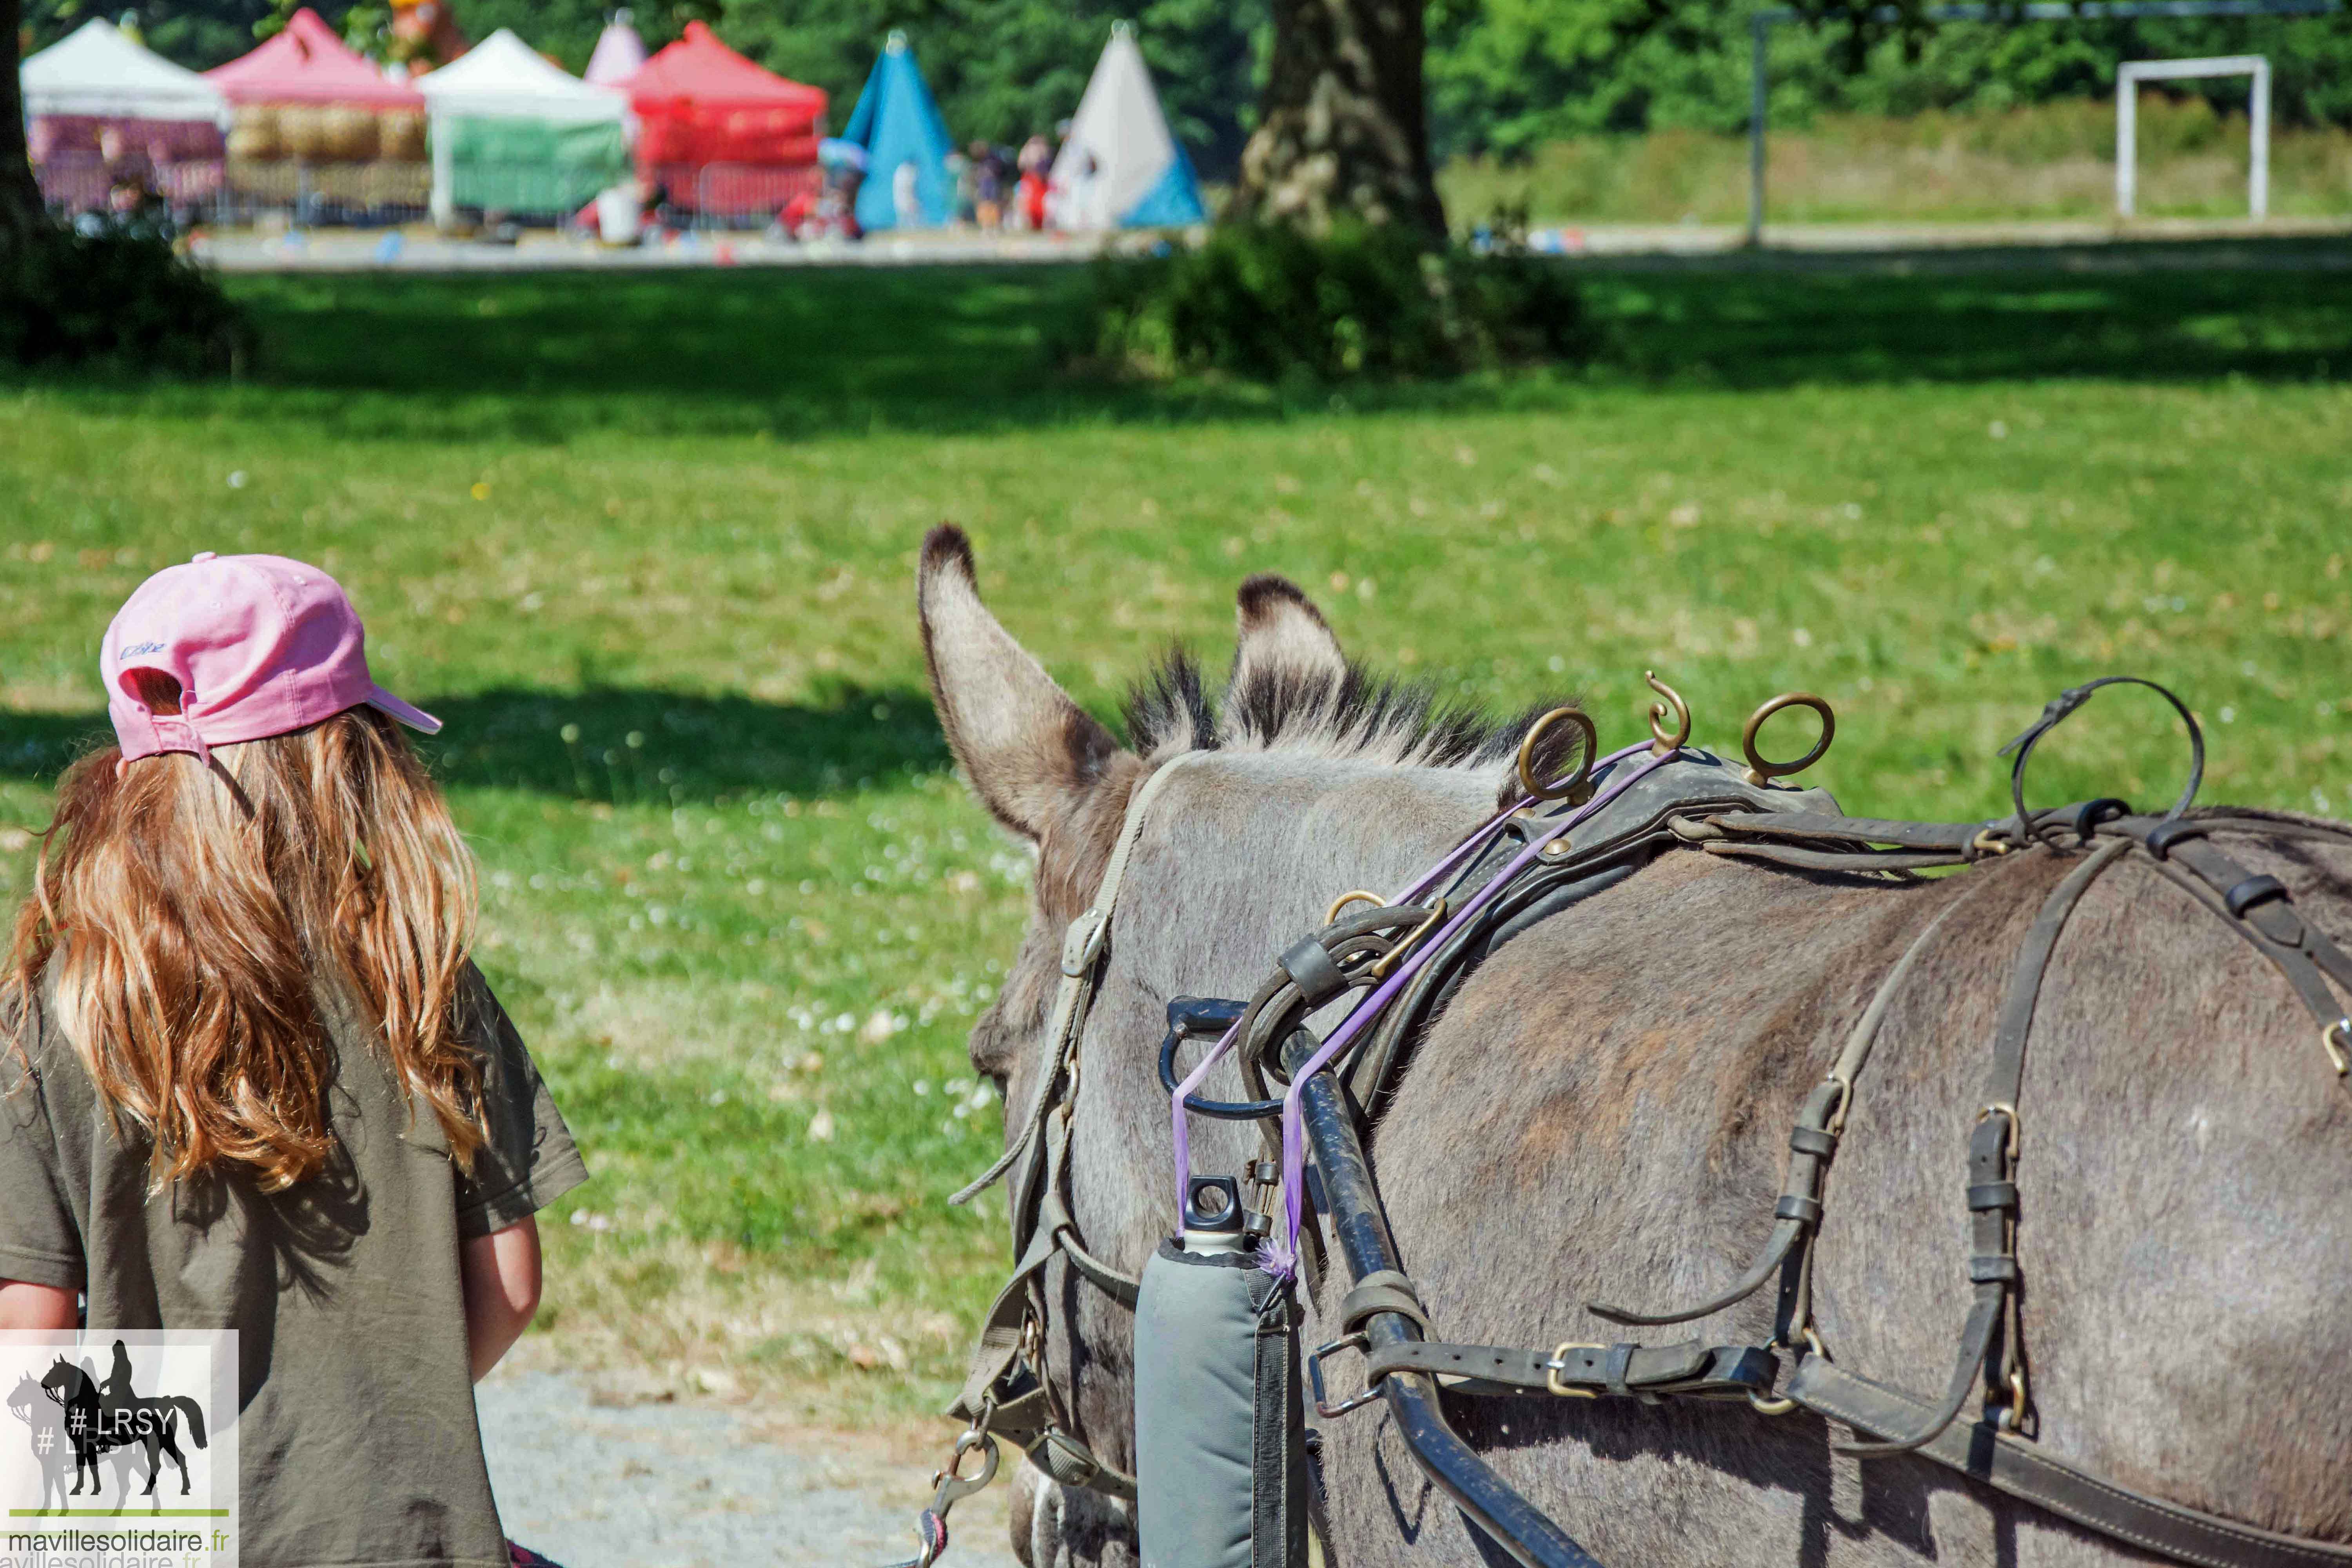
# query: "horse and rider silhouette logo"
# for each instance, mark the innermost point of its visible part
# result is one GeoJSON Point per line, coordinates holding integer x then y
{"type": "Point", "coordinates": [100, 1417]}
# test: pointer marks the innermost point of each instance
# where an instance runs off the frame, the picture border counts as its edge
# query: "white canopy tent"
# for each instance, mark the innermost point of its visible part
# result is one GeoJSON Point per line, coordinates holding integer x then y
{"type": "Point", "coordinates": [97, 72]}
{"type": "Point", "coordinates": [512, 130]}
{"type": "Point", "coordinates": [506, 77]}
{"type": "Point", "coordinates": [1121, 168]}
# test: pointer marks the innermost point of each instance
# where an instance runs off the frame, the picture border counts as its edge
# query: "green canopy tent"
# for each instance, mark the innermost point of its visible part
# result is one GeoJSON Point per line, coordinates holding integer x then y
{"type": "Point", "coordinates": [511, 132]}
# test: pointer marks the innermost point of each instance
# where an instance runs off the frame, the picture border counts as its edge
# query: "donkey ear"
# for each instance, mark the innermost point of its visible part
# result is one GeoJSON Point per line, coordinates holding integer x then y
{"type": "Point", "coordinates": [1033, 755]}
{"type": "Point", "coordinates": [1284, 641]}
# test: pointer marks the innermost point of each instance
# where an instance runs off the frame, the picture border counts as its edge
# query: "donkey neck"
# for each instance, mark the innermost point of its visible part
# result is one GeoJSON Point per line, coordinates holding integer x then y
{"type": "Point", "coordinates": [1249, 848]}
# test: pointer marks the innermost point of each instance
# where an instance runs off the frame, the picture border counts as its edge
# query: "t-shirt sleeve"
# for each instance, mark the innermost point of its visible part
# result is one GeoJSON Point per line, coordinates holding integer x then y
{"type": "Point", "coordinates": [529, 1160]}
{"type": "Point", "coordinates": [39, 1243]}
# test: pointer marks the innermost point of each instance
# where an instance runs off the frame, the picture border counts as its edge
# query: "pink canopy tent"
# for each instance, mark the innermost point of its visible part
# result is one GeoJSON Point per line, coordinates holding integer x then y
{"type": "Point", "coordinates": [308, 63]}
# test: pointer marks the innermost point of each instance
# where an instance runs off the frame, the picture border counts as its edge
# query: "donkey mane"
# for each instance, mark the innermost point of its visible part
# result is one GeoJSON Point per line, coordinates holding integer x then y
{"type": "Point", "coordinates": [1346, 711]}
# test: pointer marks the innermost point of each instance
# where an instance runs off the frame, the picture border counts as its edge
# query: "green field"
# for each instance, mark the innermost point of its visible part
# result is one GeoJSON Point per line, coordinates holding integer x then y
{"type": "Point", "coordinates": [647, 543]}
{"type": "Point", "coordinates": [2039, 162]}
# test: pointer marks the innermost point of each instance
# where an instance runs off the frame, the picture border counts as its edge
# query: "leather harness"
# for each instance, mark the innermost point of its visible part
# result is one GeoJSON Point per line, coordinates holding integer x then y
{"type": "Point", "coordinates": [1687, 799]}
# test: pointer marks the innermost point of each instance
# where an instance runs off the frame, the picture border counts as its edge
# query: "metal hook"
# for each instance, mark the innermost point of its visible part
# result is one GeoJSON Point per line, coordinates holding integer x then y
{"type": "Point", "coordinates": [1761, 772]}
{"type": "Point", "coordinates": [1661, 743]}
{"type": "Point", "coordinates": [1578, 786]}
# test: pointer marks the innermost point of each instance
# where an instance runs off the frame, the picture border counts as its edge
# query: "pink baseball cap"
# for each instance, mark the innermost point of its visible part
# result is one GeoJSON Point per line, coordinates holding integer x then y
{"type": "Point", "coordinates": [260, 646]}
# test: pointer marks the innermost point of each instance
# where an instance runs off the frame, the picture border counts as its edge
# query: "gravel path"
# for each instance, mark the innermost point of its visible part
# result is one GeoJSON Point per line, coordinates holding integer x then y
{"type": "Point", "coordinates": [2150, 242]}
{"type": "Point", "coordinates": [597, 1484]}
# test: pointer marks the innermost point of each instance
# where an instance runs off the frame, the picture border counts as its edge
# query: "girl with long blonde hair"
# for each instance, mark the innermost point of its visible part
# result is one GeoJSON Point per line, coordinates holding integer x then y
{"type": "Point", "coordinates": [249, 1078]}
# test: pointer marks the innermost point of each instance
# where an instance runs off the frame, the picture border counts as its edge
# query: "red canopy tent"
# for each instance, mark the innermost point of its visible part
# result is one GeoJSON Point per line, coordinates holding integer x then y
{"type": "Point", "coordinates": [307, 63]}
{"type": "Point", "coordinates": [317, 122]}
{"type": "Point", "coordinates": [723, 134]}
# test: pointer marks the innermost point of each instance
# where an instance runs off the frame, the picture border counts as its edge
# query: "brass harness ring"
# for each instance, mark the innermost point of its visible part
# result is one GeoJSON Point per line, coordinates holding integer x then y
{"type": "Point", "coordinates": [1581, 780]}
{"type": "Point", "coordinates": [1782, 1405]}
{"type": "Point", "coordinates": [1331, 916]}
{"type": "Point", "coordinates": [1762, 770]}
{"type": "Point", "coordinates": [2337, 1037]}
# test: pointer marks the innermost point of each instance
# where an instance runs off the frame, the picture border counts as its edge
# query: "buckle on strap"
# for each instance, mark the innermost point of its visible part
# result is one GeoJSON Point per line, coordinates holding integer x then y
{"type": "Point", "coordinates": [1560, 1364]}
{"type": "Point", "coordinates": [1083, 943]}
{"type": "Point", "coordinates": [1323, 1407]}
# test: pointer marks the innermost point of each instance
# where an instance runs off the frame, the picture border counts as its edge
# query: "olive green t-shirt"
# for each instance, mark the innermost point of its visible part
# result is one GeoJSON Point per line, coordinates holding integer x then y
{"type": "Point", "coordinates": [357, 1435]}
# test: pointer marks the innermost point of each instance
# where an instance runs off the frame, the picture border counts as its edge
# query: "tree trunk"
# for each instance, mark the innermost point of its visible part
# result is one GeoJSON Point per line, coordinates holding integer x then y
{"type": "Point", "coordinates": [20, 198]}
{"type": "Point", "coordinates": [1343, 127]}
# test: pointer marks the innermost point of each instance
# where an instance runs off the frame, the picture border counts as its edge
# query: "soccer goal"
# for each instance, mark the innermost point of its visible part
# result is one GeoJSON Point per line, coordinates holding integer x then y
{"type": "Point", "coordinates": [2131, 73]}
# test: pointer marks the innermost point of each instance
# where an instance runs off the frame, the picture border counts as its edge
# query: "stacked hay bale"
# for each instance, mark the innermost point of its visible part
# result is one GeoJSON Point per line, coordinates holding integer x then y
{"type": "Point", "coordinates": [315, 120]}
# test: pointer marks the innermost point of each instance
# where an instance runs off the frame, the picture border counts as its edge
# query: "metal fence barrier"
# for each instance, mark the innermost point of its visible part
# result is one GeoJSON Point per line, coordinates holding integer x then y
{"type": "Point", "coordinates": [735, 196]}
{"type": "Point", "coordinates": [75, 182]}
{"type": "Point", "coordinates": [384, 193]}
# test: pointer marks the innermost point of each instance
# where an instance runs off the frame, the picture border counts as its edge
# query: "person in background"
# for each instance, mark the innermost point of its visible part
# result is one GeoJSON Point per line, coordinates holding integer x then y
{"type": "Point", "coordinates": [963, 203]}
{"type": "Point", "coordinates": [251, 1078]}
{"type": "Point", "coordinates": [1036, 163]}
{"type": "Point", "coordinates": [987, 186]}
{"type": "Point", "coordinates": [905, 201]}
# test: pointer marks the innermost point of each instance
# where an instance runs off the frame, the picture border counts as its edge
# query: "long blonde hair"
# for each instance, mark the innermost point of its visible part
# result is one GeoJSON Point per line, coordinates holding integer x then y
{"type": "Point", "coordinates": [183, 911]}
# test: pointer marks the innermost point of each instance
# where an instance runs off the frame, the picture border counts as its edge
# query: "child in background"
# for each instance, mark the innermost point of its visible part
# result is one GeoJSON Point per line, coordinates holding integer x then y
{"type": "Point", "coordinates": [250, 1079]}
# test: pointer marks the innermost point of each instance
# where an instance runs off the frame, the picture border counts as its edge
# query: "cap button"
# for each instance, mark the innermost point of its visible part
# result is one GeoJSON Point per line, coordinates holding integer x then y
{"type": "Point", "coordinates": [203, 555]}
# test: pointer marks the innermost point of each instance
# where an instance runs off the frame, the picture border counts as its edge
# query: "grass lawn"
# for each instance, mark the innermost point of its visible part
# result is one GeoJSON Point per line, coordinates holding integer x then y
{"type": "Point", "coordinates": [647, 543]}
{"type": "Point", "coordinates": [2044, 161]}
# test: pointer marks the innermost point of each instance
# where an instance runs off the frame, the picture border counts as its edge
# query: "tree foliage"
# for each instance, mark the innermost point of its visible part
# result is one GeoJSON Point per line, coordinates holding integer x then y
{"type": "Point", "coordinates": [1508, 75]}
{"type": "Point", "coordinates": [1504, 75]}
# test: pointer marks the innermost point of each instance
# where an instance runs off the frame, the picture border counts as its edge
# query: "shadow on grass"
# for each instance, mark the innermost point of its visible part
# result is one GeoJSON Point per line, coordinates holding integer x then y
{"type": "Point", "coordinates": [619, 746]}
{"type": "Point", "coordinates": [2262, 310]}
{"type": "Point", "coordinates": [556, 357]}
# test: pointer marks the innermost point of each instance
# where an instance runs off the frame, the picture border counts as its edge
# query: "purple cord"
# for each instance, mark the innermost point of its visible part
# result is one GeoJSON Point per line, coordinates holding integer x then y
{"type": "Point", "coordinates": [1478, 839]}
{"type": "Point", "coordinates": [1281, 1257]}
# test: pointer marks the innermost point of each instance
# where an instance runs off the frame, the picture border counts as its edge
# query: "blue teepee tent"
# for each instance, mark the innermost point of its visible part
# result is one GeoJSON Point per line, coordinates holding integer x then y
{"type": "Point", "coordinates": [899, 125]}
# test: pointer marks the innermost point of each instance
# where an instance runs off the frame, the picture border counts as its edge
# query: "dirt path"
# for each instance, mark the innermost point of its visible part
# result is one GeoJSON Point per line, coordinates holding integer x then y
{"type": "Point", "coordinates": [593, 1482]}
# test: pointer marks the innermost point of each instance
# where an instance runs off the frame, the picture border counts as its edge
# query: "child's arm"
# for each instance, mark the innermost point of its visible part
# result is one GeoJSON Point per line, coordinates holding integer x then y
{"type": "Point", "coordinates": [501, 1271]}
{"type": "Point", "coordinates": [24, 1305]}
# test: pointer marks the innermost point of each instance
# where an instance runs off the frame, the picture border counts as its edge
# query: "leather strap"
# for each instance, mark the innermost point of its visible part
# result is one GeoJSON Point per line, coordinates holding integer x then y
{"type": "Point", "coordinates": [1383, 1290]}
{"type": "Point", "coordinates": [1812, 1143]}
{"type": "Point", "coordinates": [1652, 1372]}
{"type": "Point", "coordinates": [1084, 942]}
{"type": "Point", "coordinates": [2054, 713]}
{"type": "Point", "coordinates": [2262, 914]}
{"type": "Point", "coordinates": [2024, 1471]}
{"type": "Point", "coordinates": [1992, 1153]}
{"type": "Point", "coordinates": [999, 1379]}
{"type": "Point", "coordinates": [1850, 862]}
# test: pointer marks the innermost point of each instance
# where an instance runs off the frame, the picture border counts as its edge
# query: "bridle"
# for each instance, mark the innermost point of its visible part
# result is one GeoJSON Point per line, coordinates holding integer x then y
{"type": "Point", "coordinates": [1008, 1390]}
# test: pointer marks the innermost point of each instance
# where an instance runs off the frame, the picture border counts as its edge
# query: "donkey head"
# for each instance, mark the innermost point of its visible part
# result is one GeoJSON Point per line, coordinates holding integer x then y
{"type": "Point", "coordinates": [1325, 779]}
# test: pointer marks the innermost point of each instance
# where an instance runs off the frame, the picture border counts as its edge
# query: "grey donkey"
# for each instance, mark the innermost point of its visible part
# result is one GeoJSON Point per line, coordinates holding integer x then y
{"type": "Point", "coordinates": [1602, 1113]}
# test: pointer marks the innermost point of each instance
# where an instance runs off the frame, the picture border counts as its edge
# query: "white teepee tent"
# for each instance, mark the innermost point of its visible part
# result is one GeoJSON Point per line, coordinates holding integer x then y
{"type": "Point", "coordinates": [1121, 168]}
{"type": "Point", "coordinates": [620, 54]}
